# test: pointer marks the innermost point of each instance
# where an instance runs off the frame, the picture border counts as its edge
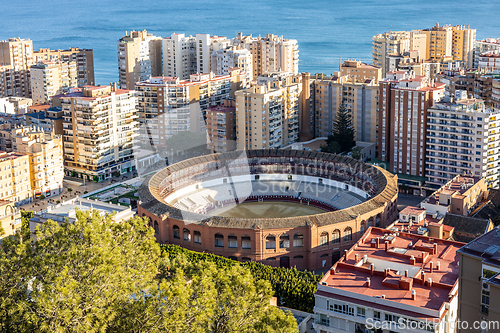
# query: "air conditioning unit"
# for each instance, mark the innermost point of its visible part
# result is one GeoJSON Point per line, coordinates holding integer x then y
{"type": "Point", "coordinates": [486, 287]}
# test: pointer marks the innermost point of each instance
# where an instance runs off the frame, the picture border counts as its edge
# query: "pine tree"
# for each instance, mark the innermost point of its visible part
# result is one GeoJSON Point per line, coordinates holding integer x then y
{"type": "Point", "coordinates": [342, 139]}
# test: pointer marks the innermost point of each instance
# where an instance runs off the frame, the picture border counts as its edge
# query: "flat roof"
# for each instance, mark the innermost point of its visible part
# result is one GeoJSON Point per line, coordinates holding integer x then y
{"type": "Point", "coordinates": [486, 247]}
{"type": "Point", "coordinates": [351, 275]}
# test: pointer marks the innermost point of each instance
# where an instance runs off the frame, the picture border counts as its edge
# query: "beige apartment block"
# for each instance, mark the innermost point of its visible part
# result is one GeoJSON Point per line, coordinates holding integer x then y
{"type": "Point", "coordinates": [360, 72]}
{"type": "Point", "coordinates": [99, 129]}
{"type": "Point", "coordinates": [15, 181]}
{"type": "Point", "coordinates": [271, 53]}
{"type": "Point", "coordinates": [10, 219]}
{"type": "Point", "coordinates": [18, 54]}
{"type": "Point", "coordinates": [84, 59]}
{"type": "Point", "coordinates": [267, 115]}
{"type": "Point", "coordinates": [15, 105]}
{"type": "Point", "coordinates": [224, 60]}
{"type": "Point", "coordinates": [394, 42]}
{"type": "Point", "coordinates": [359, 97]}
{"type": "Point", "coordinates": [139, 58]}
{"type": "Point", "coordinates": [45, 150]}
{"type": "Point", "coordinates": [50, 78]}
{"type": "Point", "coordinates": [221, 127]}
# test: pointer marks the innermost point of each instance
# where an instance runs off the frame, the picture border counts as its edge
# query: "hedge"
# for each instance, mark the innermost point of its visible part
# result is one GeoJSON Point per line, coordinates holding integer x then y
{"type": "Point", "coordinates": [293, 288]}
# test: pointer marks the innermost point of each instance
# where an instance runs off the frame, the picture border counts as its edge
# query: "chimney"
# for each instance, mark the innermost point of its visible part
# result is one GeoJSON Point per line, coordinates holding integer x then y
{"type": "Point", "coordinates": [412, 260]}
{"type": "Point", "coordinates": [413, 294]}
{"type": "Point", "coordinates": [377, 242]}
{"type": "Point", "coordinates": [430, 266]}
{"type": "Point", "coordinates": [372, 269]}
{"type": "Point", "coordinates": [386, 246]}
{"type": "Point", "coordinates": [423, 256]}
{"type": "Point", "coordinates": [423, 278]}
{"type": "Point", "coordinates": [332, 271]}
{"type": "Point", "coordinates": [435, 248]}
{"type": "Point", "coordinates": [356, 257]}
{"type": "Point", "coordinates": [429, 282]}
{"type": "Point", "coordinates": [345, 255]}
{"type": "Point", "coordinates": [386, 272]}
{"type": "Point", "coordinates": [365, 258]}
{"type": "Point", "coordinates": [438, 265]}
{"type": "Point", "coordinates": [383, 296]}
{"type": "Point", "coordinates": [406, 273]}
{"type": "Point", "coordinates": [368, 282]}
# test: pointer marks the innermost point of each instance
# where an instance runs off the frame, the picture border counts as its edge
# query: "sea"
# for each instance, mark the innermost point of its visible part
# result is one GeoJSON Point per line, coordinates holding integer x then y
{"type": "Point", "coordinates": [327, 31]}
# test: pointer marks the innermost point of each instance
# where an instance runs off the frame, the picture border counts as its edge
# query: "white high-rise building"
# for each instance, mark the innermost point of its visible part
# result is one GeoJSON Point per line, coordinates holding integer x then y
{"type": "Point", "coordinates": [463, 136]}
{"type": "Point", "coordinates": [484, 46]}
{"type": "Point", "coordinates": [50, 78]}
{"type": "Point", "coordinates": [225, 59]}
{"type": "Point", "coordinates": [183, 56]}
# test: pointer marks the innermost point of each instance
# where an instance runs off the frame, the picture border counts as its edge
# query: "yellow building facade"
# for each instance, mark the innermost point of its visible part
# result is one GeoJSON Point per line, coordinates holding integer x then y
{"type": "Point", "coordinates": [15, 180]}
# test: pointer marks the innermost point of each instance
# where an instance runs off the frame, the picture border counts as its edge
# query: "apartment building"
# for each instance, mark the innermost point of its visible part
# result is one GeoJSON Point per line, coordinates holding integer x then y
{"type": "Point", "coordinates": [271, 53]}
{"type": "Point", "coordinates": [169, 105]}
{"type": "Point", "coordinates": [360, 97]}
{"type": "Point", "coordinates": [360, 72]}
{"type": "Point", "coordinates": [404, 99]}
{"type": "Point", "coordinates": [267, 115]}
{"type": "Point", "coordinates": [390, 282]}
{"type": "Point", "coordinates": [463, 137]}
{"type": "Point", "coordinates": [100, 124]}
{"type": "Point", "coordinates": [84, 59]}
{"type": "Point", "coordinates": [17, 55]}
{"type": "Point", "coordinates": [485, 46]}
{"type": "Point", "coordinates": [388, 43]}
{"type": "Point", "coordinates": [224, 60]}
{"type": "Point", "coordinates": [139, 58]}
{"type": "Point", "coordinates": [50, 78]}
{"type": "Point", "coordinates": [45, 150]}
{"type": "Point", "coordinates": [183, 56]}
{"type": "Point", "coordinates": [10, 219]}
{"type": "Point", "coordinates": [479, 287]}
{"type": "Point", "coordinates": [221, 127]}
{"type": "Point", "coordinates": [489, 61]}
{"type": "Point", "coordinates": [15, 182]}
{"type": "Point", "coordinates": [495, 93]}
{"type": "Point", "coordinates": [15, 105]}
{"type": "Point", "coordinates": [460, 196]}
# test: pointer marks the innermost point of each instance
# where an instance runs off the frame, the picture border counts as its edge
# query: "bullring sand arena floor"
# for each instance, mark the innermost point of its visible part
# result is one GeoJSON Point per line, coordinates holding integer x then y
{"type": "Point", "coordinates": [269, 209]}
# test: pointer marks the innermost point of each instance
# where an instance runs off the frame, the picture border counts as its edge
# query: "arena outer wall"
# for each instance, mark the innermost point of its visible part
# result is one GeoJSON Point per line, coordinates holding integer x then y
{"type": "Point", "coordinates": [324, 236]}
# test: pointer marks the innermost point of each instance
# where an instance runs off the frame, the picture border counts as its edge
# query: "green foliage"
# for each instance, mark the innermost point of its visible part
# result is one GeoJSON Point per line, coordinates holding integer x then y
{"type": "Point", "coordinates": [356, 153]}
{"type": "Point", "coordinates": [41, 197]}
{"type": "Point", "coordinates": [293, 288]}
{"type": "Point", "coordinates": [25, 224]}
{"type": "Point", "coordinates": [94, 275]}
{"type": "Point", "coordinates": [343, 132]}
{"type": "Point", "coordinates": [70, 189]}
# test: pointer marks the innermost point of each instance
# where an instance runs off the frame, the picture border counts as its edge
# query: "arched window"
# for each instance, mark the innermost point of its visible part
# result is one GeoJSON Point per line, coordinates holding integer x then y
{"type": "Point", "coordinates": [272, 258]}
{"type": "Point", "coordinates": [197, 237]}
{"type": "Point", "coordinates": [245, 259]}
{"type": "Point", "coordinates": [246, 242]}
{"type": "Point", "coordinates": [232, 241]}
{"type": "Point", "coordinates": [233, 258]}
{"type": "Point", "coordinates": [298, 257]}
{"type": "Point", "coordinates": [186, 235]}
{"type": "Point", "coordinates": [157, 228]}
{"type": "Point", "coordinates": [336, 236]}
{"type": "Point", "coordinates": [377, 220]}
{"type": "Point", "coordinates": [177, 232]}
{"type": "Point", "coordinates": [347, 234]}
{"type": "Point", "coordinates": [323, 239]}
{"type": "Point", "coordinates": [370, 222]}
{"type": "Point", "coordinates": [298, 240]}
{"type": "Point", "coordinates": [270, 242]}
{"type": "Point", "coordinates": [324, 255]}
{"type": "Point", "coordinates": [284, 241]}
{"type": "Point", "coordinates": [362, 227]}
{"type": "Point", "coordinates": [219, 240]}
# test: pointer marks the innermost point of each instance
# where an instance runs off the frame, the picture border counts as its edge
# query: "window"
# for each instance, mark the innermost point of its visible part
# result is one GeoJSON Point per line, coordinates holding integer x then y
{"type": "Point", "coordinates": [361, 312]}
{"type": "Point", "coordinates": [157, 229]}
{"type": "Point", "coordinates": [186, 235]}
{"type": "Point", "coordinates": [336, 236]}
{"type": "Point", "coordinates": [270, 242]}
{"type": "Point", "coordinates": [232, 241]}
{"type": "Point", "coordinates": [323, 239]}
{"type": "Point", "coordinates": [488, 274]}
{"type": "Point", "coordinates": [197, 237]}
{"type": "Point", "coordinates": [347, 234]}
{"type": "Point", "coordinates": [245, 259]}
{"type": "Point", "coordinates": [376, 315]}
{"type": "Point", "coordinates": [362, 227]}
{"type": "Point", "coordinates": [342, 308]}
{"type": "Point", "coordinates": [219, 240]}
{"type": "Point", "coordinates": [298, 257]}
{"type": "Point", "coordinates": [391, 318]}
{"type": "Point", "coordinates": [284, 241]}
{"type": "Point", "coordinates": [246, 242]}
{"type": "Point", "coordinates": [177, 232]}
{"type": "Point", "coordinates": [298, 240]}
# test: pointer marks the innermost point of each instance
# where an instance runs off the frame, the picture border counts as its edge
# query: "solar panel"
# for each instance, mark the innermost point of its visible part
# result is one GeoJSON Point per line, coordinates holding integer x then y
{"type": "Point", "coordinates": [492, 250]}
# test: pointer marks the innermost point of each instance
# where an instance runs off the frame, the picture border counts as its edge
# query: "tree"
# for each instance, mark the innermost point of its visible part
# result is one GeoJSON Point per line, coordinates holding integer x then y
{"type": "Point", "coordinates": [70, 189]}
{"type": "Point", "coordinates": [94, 275]}
{"type": "Point", "coordinates": [343, 132]}
{"type": "Point", "coordinates": [356, 153]}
